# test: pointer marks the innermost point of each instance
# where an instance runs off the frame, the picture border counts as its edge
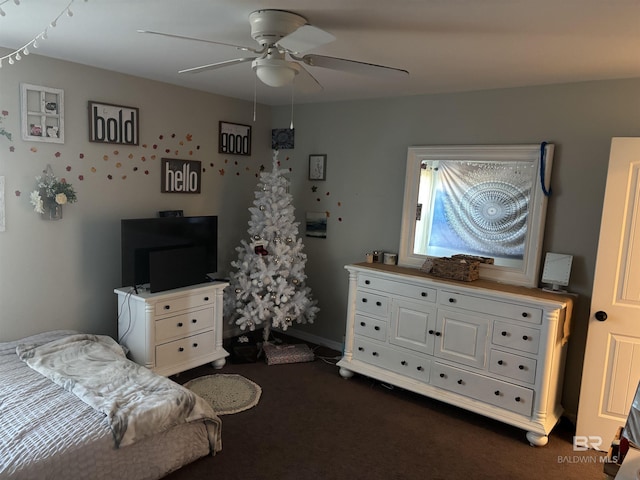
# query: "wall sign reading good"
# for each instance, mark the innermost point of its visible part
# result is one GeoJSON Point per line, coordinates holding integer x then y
{"type": "Point", "coordinates": [234, 139]}
{"type": "Point", "coordinates": [113, 124]}
{"type": "Point", "coordinates": [180, 176]}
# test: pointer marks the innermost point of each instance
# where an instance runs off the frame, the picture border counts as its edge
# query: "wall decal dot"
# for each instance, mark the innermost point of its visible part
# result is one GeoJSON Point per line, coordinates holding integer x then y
{"type": "Point", "coordinates": [135, 169]}
{"type": "Point", "coordinates": [314, 188]}
{"type": "Point", "coordinates": [247, 169]}
{"type": "Point", "coordinates": [105, 158]}
{"type": "Point", "coordinates": [118, 165]}
{"type": "Point", "coordinates": [81, 155]}
{"type": "Point", "coordinates": [339, 219]}
{"type": "Point", "coordinates": [33, 149]}
{"type": "Point", "coordinates": [144, 159]}
{"type": "Point", "coordinates": [173, 135]}
{"type": "Point", "coordinates": [130, 156]}
{"type": "Point", "coordinates": [166, 150]}
{"type": "Point", "coordinates": [12, 149]}
{"type": "Point", "coordinates": [339, 204]}
{"type": "Point", "coordinates": [80, 177]}
{"type": "Point", "coordinates": [144, 145]}
{"type": "Point", "coordinates": [190, 152]}
{"type": "Point", "coordinates": [161, 137]}
{"type": "Point", "coordinates": [155, 146]}
{"type": "Point", "coordinates": [177, 152]}
{"type": "Point", "coordinates": [146, 172]}
{"type": "Point", "coordinates": [327, 213]}
{"type": "Point", "coordinates": [57, 154]}
{"type": "Point", "coordinates": [18, 193]}
{"type": "Point", "coordinates": [237, 174]}
{"type": "Point", "coordinates": [197, 147]}
{"type": "Point", "coordinates": [124, 177]}
{"type": "Point", "coordinates": [153, 157]}
{"type": "Point", "coordinates": [181, 143]}
{"type": "Point", "coordinates": [68, 168]}
{"type": "Point", "coordinates": [226, 160]}
{"type": "Point", "coordinates": [204, 170]}
{"type": "Point", "coordinates": [116, 152]}
{"type": "Point", "coordinates": [327, 194]}
{"type": "Point", "coordinates": [110, 177]}
{"type": "Point", "coordinates": [318, 199]}
{"type": "Point", "coordinates": [221, 171]}
{"type": "Point", "coordinates": [189, 137]}
{"type": "Point", "coordinates": [93, 169]}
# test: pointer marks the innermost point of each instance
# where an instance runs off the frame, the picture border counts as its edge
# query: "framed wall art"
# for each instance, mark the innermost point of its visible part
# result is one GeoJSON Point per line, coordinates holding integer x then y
{"type": "Point", "coordinates": [110, 123]}
{"type": "Point", "coordinates": [180, 176]}
{"type": "Point", "coordinates": [42, 113]}
{"type": "Point", "coordinates": [282, 138]}
{"type": "Point", "coordinates": [317, 167]}
{"type": "Point", "coordinates": [234, 138]}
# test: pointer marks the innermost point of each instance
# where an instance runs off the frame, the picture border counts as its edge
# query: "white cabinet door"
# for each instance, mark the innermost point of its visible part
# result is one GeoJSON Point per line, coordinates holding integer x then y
{"type": "Point", "coordinates": [413, 325]}
{"type": "Point", "coordinates": [461, 338]}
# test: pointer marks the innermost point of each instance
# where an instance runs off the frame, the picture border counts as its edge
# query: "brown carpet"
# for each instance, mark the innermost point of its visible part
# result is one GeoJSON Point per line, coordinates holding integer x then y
{"type": "Point", "coordinates": [313, 424]}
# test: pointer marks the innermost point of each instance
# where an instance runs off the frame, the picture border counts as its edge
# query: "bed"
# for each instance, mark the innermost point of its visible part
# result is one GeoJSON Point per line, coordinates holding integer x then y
{"type": "Point", "coordinates": [47, 432]}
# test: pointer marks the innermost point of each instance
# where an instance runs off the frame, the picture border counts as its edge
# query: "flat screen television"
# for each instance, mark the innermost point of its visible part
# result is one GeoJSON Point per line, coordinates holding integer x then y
{"type": "Point", "coordinates": [168, 252]}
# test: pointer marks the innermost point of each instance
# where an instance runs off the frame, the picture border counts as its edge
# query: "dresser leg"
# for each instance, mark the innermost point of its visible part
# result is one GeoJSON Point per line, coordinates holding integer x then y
{"type": "Point", "coordinates": [218, 364]}
{"type": "Point", "coordinates": [344, 373]}
{"type": "Point", "coordinates": [537, 440]}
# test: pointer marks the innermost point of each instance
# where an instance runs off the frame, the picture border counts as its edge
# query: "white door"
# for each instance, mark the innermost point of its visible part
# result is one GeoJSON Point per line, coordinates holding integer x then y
{"type": "Point", "coordinates": [612, 357]}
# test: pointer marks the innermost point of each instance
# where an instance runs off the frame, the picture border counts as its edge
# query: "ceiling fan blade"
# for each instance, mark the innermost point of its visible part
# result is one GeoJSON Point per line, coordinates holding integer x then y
{"type": "Point", "coordinates": [305, 38]}
{"type": "Point", "coordinates": [213, 66]}
{"type": "Point", "coordinates": [182, 37]}
{"type": "Point", "coordinates": [306, 82]}
{"type": "Point", "coordinates": [353, 66]}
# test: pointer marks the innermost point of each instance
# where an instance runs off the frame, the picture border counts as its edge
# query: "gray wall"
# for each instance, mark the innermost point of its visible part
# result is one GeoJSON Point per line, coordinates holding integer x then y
{"type": "Point", "coordinates": [366, 143]}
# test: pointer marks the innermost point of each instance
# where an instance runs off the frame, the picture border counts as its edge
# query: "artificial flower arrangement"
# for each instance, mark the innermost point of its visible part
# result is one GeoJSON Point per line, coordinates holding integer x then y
{"type": "Point", "coordinates": [51, 192]}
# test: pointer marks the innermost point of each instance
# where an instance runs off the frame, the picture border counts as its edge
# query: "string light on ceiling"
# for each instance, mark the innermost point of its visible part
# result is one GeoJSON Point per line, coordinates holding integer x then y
{"type": "Point", "coordinates": [34, 43]}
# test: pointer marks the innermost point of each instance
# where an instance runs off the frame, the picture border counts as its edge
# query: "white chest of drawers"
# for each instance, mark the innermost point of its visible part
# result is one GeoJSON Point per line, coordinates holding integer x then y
{"type": "Point", "coordinates": [495, 349]}
{"type": "Point", "coordinates": [175, 330]}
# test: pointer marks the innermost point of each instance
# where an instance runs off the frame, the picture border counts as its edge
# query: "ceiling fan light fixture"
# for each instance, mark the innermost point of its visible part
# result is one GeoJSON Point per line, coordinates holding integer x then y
{"type": "Point", "coordinates": [275, 73]}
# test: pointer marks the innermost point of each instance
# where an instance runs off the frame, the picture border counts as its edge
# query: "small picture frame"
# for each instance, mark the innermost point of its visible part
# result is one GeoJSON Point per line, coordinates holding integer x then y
{"type": "Point", "coordinates": [234, 138]}
{"type": "Point", "coordinates": [317, 167]}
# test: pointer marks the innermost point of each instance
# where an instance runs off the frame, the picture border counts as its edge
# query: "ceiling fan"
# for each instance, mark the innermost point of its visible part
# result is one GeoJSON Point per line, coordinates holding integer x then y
{"type": "Point", "coordinates": [284, 37]}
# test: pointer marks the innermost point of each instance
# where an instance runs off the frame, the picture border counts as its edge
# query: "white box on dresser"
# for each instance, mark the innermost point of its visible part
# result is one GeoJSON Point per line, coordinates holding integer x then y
{"type": "Point", "coordinates": [174, 330]}
{"type": "Point", "coordinates": [495, 349]}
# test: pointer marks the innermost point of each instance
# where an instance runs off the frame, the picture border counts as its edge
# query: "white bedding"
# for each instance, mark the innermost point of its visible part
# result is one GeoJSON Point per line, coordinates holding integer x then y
{"type": "Point", "coordinates": [48, 433]}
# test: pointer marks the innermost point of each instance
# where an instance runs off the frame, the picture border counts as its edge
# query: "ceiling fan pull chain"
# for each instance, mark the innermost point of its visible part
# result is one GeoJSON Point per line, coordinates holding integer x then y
{"type": "Point", "coordinates": [255, 95]}
{"type": "Point", "coordinates": [292, 91]}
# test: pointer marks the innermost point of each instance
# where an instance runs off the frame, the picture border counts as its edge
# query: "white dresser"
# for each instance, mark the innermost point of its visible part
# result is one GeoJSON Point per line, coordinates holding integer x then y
{"type": "Point", "coordinates": [495, 349]}
{"type": "Point", "coordinates": [175, 330]}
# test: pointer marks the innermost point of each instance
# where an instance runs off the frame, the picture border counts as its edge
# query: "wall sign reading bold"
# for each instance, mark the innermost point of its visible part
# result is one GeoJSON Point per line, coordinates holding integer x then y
{"type": "Point", "coordinates": [234, 139]}
{"type": "Point", "coordinates": [113, 124]}
{"type": "Point", "coordinates": [180, 176]}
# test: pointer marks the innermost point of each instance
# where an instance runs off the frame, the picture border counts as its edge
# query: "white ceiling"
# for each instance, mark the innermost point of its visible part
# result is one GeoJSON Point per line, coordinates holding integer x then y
{"type": "Point", "coordinates": [446, 45]}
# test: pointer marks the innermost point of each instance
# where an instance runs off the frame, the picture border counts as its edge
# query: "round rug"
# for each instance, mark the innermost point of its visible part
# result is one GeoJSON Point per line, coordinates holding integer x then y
{"type": "Point", "coordinates": [226, 393]}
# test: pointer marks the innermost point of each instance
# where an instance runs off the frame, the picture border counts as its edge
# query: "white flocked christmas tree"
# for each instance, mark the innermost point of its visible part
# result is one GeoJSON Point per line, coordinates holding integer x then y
{"type": "Point", "coordinates": [268, 286]}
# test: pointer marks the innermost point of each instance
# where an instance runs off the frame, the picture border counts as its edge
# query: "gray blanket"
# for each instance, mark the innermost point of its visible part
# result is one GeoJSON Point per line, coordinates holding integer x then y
{"type": "Point", "coordinates": [137, 402]}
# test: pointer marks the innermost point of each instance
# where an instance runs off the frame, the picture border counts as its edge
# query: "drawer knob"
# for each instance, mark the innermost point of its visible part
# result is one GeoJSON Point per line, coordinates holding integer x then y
{"type": "Point", "coordinates": [517, 399]}
{"type": "Point", "coordinates": [364, 300]}
{"type": "Point", "coordinates": [424, 294]}
{"type": "Point", "coordinates": [504, 333]}
{"type": "Point", "coordinates": [521, 367]}
{"type": "Point", "coordinates": [442, 375]}
{"type": "Point", "coordinates": [524, 337]}
{"type": "Point", "coordinates": [195, 345]}
{"type": "Point", "coordinates": [452, 300]}
{"type": "Point", "coordinates": [376, 328]}
{"type": "Point", "coordinates": [167, 307]}
{"type": "Point", "coordinates": [497, 393]}
{"type": "Point", "coordinates": [420, 369]}
{"type": "Point", "coordinates": [375, 354]}
{"type": "Point", "coordinates": [206, 299]}
{"type": "Point", "coordinates": [438, 334]}
{"type": "Point", "coordinates": [431, 332]}
{"type": "Point", "coordinates": [379, 304]}
{"type": "Point", "coordinates": [460, 382]}
{"type": "Point", "coordinates": [181, 349]}
{"type": "Point", "coordinates": [362, 324]}
{"type": "Point", "coordinates": [403, 362]}
{"type": "Point", "coordinates": [500, 362]}
{"type": "Point", "coordinates": [525, 314]}
{"type": "Point", "coordinates": [194, 320]}
{"type": "Point", "coordinates": [360, 349]}
{"type": "Point", "coordinates": [179, 324]}
{"type": "Point", "coordinates": [367, 282]}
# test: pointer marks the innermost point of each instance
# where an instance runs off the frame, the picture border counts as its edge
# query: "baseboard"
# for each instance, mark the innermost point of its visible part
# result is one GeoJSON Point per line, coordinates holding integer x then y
{"type": "Point", "coordinates": [308, 337]}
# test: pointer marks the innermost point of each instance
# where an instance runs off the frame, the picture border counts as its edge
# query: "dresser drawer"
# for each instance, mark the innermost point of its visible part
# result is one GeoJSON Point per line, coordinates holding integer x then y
{"type": "Point", "coordinates": [495, 392]}
{"type": "Point", "coordinates": [513, 366]}
{"type": "Point", "coordinates": [371, 303]}
{"type": "Point", "coordinates": [177, 304]}
{"type": "Point", "coordinates": [410, 290]}
{"type": "Point", "coordinates": [184, 324]}
{"type": "Point", "coordinates": [370, 327]}
{"type": "Point", "coordinates": [516, 336]}
{"type": "Point", "coordinates": [398, 361]}
{"type": "Point", "coordinates": [491, 307]}
{"type": "Point", "coordinates": [185, 349]}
